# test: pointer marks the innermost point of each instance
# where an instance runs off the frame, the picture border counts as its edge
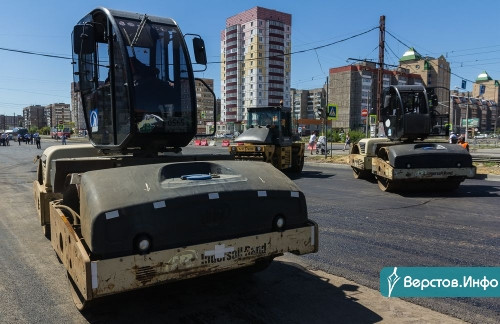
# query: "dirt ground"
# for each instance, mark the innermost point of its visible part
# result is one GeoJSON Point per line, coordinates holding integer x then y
{"type": "Point", "coordinates": [343, 159]}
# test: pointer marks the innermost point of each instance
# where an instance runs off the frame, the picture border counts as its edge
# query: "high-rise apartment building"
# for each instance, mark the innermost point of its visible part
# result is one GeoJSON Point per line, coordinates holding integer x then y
{"type": "Point", "coordinates": [256, 66]}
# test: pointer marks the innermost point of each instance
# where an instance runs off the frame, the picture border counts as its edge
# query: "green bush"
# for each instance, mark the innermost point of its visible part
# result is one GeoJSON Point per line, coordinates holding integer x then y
{"type": "Point", "coordinates": [356, 136]}
{"type": "Point", "coordinates": [336, 135]}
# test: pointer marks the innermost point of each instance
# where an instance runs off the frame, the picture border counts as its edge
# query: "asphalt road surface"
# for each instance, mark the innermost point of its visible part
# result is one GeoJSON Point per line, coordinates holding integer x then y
{"type": "Point", "coordinates": [362, 230]}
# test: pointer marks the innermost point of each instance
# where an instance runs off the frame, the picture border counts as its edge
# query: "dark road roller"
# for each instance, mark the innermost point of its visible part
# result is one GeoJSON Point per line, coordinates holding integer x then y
{"type": "Point", "coordinates": [409, 158]}
{"type": "Point", "coordinates": [129, 210]}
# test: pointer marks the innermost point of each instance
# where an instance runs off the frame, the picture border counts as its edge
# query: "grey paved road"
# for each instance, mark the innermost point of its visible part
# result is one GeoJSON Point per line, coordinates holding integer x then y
{"type": "Point", "coordinates": [361, 230]}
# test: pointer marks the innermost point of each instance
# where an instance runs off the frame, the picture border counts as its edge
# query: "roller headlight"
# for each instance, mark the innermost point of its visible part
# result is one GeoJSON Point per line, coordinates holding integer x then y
{"type": "Point", "coordinates": [259, 148]}
{"type": "Point", "coordinates": [279, 223]}
{"type": "Point", "coordinates": [408, 166]}
{"type": "Point", "coordinates": [143, 244]}
{"type": "Point", "coordinates": [459, 165]}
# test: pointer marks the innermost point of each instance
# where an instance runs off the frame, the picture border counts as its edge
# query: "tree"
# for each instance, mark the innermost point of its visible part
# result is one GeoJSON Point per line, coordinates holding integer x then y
{"type": "Point", "coordinates": [45, 130]}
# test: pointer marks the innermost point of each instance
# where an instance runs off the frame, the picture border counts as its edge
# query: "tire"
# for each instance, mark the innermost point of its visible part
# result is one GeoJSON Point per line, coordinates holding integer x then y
{"type": "Point", "coordinates": [259, 266]}
{"type": "Point", "coordinates": [297, 168]}
{"type": "Point", "coordinates": [360, 174]}
{"type": "Point", "coordinates": [387, 185]}
{"type": "Point", "coordinates": [80, 302]}
{"type": "Point", "coordinates": [449, 185]}
{"type": "Point", "coordinates": [46, 231]}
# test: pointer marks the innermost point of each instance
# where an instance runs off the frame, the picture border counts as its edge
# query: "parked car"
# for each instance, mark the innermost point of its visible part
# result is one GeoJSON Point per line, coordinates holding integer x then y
{"type": "Point", "coordinates": [230, 136]}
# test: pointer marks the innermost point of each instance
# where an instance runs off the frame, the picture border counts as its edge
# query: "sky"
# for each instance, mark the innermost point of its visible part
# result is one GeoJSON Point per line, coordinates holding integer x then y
{"type": "Point", "coordinates": [465, 32]}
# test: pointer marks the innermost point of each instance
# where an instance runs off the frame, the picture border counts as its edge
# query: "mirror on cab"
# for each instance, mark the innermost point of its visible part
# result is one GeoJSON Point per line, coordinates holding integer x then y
{"type": "Point", "coordinates": [200, 54]}
{"type": "Point", "coordinates": [83, 39]}
{"type": "Point", "coordinates": [197, 49]}
{"type": "Point", "coordinates": [434, 100]}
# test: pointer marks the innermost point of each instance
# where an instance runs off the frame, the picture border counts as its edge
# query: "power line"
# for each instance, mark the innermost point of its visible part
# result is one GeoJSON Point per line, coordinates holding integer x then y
{"type": "Point", "coordinates": [477, 53]}
{"type": "Point", "coordinates": [471, 49]}
{"type": "Point", "coordinates": [387, 45]}
{"type": "Point", "coordinates": [35, 53]}
{"type": "Point", "coordinates": [447, 70]}
{"type": "Point", "coordinates": [302, 51]}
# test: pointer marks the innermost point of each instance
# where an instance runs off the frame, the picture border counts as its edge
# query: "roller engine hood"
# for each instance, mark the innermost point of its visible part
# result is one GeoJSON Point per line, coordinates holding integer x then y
{"type": "Point", "coordinates": [256, 135]}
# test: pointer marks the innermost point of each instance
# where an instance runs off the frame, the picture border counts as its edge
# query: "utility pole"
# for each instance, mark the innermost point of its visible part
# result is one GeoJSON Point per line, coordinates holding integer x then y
{"type": "Point", "coordinates": [326, 119]}
{"type": "Point", "coordinates": [467, 117]}
{"type": "Point", "coordinates": [381, 49]}
{"type": "Point", "coordinates": [368, 107]}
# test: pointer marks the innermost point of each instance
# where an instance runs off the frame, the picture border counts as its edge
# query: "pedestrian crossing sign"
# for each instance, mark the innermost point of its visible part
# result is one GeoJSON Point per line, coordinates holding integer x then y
{"type": "Point", "coordinates": [332, 112]}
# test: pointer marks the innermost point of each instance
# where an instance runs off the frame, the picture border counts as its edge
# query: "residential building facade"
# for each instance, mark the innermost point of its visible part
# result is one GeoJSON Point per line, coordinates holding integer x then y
{"type": "Point", "coordinates": [205, 106]}
{"type": "Point", "coordinates": [305, 107]}
{"type": "Point", "coordinates": [481, 114]}
{"type": "Point", "coordinates": [34, 116]}
{"type": "Point", "coordinates": [435, 73]}
{"type": "Point", "coordinates": [76, 108]}
{"type": "Point", "coordinates": [10, 122]}
{"type": "Point", "coordinates": [255, 48]}
{"type": "Point", "coordinates": [58, 113]}
{"type": "Point", "coordinates": [353, 88]}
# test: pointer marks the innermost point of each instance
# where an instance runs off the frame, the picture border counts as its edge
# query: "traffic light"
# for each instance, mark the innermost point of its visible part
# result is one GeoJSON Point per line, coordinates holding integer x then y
{"type": "Point", "coordinates": [320, 112]}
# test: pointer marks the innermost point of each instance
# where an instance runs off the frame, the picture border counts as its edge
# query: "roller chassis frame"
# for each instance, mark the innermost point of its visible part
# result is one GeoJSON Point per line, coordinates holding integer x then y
{"type": "Point", "coordinates": [282, 157]}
